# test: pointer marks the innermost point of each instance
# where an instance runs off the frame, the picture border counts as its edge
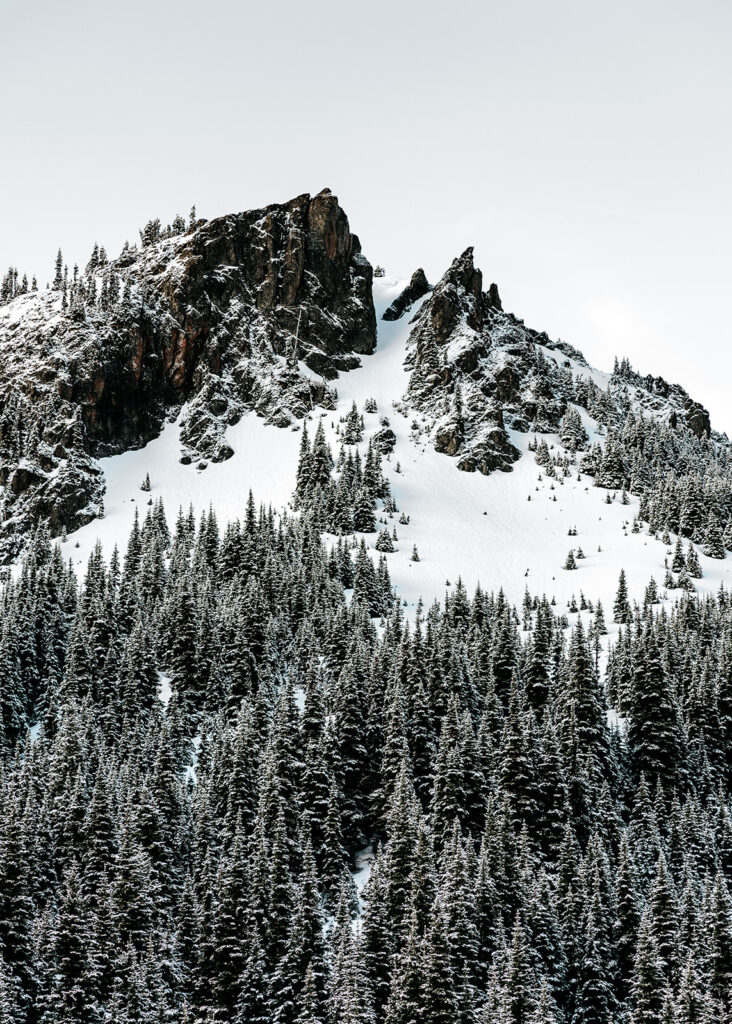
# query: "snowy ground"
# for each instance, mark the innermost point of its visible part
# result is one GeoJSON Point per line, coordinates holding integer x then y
{"type": "Point", "coordinates": [483, 529]}
{"type": "Point", "coordinates": [364, 862]}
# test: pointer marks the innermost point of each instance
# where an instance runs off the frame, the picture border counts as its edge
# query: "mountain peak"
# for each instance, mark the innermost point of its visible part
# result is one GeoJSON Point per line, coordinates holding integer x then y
{"type": "Point", "coordinates": [259, 311]}
{"type": "Point", "coordinates": [255, 310]}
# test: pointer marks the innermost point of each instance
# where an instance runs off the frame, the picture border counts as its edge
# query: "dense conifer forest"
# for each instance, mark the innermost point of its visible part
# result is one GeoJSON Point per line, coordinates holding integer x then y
{"type": "Point", "coordinates": [203, 737]}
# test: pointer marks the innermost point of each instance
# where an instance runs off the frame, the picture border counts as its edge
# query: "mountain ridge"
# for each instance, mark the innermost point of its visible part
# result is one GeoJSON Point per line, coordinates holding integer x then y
{"type": "Point", "coordinates": [262, 311]}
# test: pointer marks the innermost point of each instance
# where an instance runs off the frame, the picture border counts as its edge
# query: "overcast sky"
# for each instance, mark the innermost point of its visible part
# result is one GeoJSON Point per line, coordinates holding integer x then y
{"type": "Point", "coordinates": [584, 148]}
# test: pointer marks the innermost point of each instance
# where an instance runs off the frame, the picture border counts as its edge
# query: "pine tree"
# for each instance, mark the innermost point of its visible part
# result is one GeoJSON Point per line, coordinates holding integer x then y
{"type": "Point", "coordinates": [73, 993]}
{"type": "Point", "coordinates": [621, 607]}
{"type": "Point", "coordinates": [383, 542]}
{"type": "Point", "coordinates": [693, 566]}
{"type": "Point", "coordinates": [252, 1005]}
{"type": "Point", "coordinates": [718, 939]}
{"type": "Point", "coordinates": [304, 482]}
{"type": "Point", "coordinates": [647, 985]}
{"type": "Point", "coordinates": [58, 278]}
{"type": "Point", "coordinates": [405, 999]}
{"type": "Point", "coordinates": [184, 654]}
{"type": "Point", "coordinates": [664, 921]}
{"type": "Point", "coordinates": [679, 561]}
{"type": "Point", "coordinates": [594, 1000]}
{"type": "Point", "coordinates": [654, 736]}
{"type": "Point", "coordinates": [518, 981]}
{"type": "Point", "coordinates": [10, 1011]}
{"type": "Point", "coordinates": [299, 980]}
{"type": "Point", "coordinates": [439, 1005]}
{"type": "Point", "coordinates": [364, 519]}
{"type": "Point", "coordinates": [518, 769]}
{"type": "Point", "coordinates": [627, 916]}
{"type": "Point", "coordinates": [713, 543]}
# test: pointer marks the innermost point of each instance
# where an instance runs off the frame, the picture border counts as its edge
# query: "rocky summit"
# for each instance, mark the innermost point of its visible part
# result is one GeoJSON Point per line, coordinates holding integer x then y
{"type": "Point", "coordinates": [253, 311]}
{"type": "Point", "coordinates": [478, 372]}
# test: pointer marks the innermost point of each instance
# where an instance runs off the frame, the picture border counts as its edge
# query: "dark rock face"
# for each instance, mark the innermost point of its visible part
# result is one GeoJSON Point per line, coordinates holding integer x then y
{"type": "Point", "coordinates": [417, 287]}
{"type": "Point", "coordinates": [697, 419]}
{"type": "Point", "coordinates": [215, 320]}
{"type": "Point", "coordinates": [494, 452]}
{"type": "Point", "coordinates": [384, 440]}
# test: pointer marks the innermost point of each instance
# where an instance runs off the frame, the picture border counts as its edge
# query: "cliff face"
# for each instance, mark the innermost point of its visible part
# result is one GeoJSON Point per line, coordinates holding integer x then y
{"type": "Point", "coordinates": [220, 318]}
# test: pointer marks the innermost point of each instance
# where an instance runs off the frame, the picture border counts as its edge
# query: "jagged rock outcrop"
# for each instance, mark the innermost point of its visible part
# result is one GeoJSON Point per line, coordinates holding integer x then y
{"type": "Point", "coordinates": [417, 287]}
{"type": "Point", "coordinates": [474, 369]}
{"type": "Point", "coordinates": [697, 418]}
{"type": "Point", "coordinates": [216, 320]}
{"type": "Point", "coordinates": [478, 372]}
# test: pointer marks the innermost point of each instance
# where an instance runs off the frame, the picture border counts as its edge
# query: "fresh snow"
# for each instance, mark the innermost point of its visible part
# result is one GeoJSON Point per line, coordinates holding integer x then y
{"type": "Point", "coordinates": [164, 688]}
{"type": "Point", "coordinates": [265, 460]}
{"type": "Point", "coordinates": [481, 529]}
{"type": "Point", "coordinates": [364, 861]}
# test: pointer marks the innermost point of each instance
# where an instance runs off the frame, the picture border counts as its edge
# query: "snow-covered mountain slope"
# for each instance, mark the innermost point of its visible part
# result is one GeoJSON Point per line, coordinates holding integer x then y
{"type": "Point", "coordinates": [483, 529]}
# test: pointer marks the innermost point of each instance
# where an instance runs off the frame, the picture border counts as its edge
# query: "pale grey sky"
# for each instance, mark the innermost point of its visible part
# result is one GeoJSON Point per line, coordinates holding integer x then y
{"type": "Point", "coordinates": [583, 147]}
